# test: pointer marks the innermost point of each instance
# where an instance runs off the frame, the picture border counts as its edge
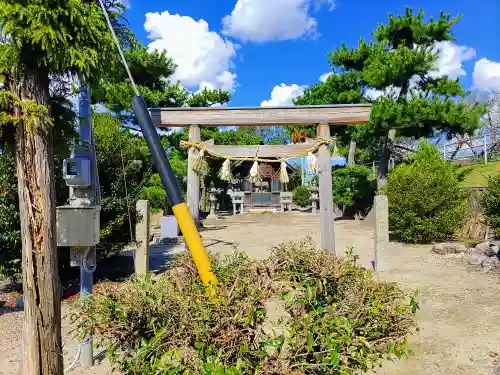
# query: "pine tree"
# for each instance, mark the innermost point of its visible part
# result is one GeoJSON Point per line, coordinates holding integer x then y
{"type": "Point", "coordinates": [152, 71]}
{"type": "Point", "coordinates": [43, 41]}
{"type": "Point", "coordinates": [399, 65]}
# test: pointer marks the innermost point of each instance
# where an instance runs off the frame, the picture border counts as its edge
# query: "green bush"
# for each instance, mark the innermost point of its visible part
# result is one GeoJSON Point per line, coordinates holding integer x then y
{"type": "Point", "coordinates": [353, 189]}
{"type": "Point", "coordinates": [10, 238]}
{"type": "Point", "coordinates": [155, 193]}
{"type": "Point", "coordinates": [426, 202]}
{"type": "Point", "coordinates": [491, 203]}
{"type": "Point", "coordinates": [301, 196]}
{"type": "Point", "coordinates": [125, 167]}
{"type": "Point", "coordinates": [339, 320]}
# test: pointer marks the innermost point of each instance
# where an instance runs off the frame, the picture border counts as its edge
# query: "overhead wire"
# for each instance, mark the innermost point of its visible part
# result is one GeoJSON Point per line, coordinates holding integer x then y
{"type": "Point", "coordinates": [136, 91]}
{"type": "Point", "coordinates": [126, 193]}
{"type": "Point", "coordinates": [120, 51]}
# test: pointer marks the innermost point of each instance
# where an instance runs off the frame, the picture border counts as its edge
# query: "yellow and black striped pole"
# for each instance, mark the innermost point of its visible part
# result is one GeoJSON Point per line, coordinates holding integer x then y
{"type": "Point", "coordinates": [179, 206]}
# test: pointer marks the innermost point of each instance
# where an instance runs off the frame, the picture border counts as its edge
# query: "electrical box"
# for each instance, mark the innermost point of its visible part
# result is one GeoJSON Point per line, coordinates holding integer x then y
{"type": "Point", "coordinates": [78, 226]}
{"type": "Point", "coordinates": [77, 172]}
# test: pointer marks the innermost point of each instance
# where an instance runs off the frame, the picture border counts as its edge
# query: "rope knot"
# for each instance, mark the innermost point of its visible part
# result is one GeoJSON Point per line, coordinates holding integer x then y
{"type": "Point", "coordinates": [189, 144]}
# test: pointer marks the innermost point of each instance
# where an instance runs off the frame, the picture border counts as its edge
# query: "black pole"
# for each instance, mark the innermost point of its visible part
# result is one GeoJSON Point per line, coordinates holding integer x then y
{"type": "Point", "coordinates": [180, 208]}
{"type": "Point", "coordinates": [157, 152]}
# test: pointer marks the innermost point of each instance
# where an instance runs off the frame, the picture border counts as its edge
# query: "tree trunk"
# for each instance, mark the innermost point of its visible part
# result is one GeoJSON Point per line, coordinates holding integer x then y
{"type": "Point", "coordinates": [387, 147]}
{"type": "Point", "coordinates": [42, 349]}
{"type": "Point", "coordinates": [385, 156]}
{"type": "Point", "coordinates": [455, 151]}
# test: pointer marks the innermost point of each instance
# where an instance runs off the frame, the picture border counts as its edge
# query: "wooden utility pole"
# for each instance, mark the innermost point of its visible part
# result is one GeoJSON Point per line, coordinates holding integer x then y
{"type": "Point", "coordinates": [325, 192]}
{"type": "Point", "coordinates": [41, 344]}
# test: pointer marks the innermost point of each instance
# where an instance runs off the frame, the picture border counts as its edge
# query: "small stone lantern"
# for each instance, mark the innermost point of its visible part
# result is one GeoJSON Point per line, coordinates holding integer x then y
{"type": "Point", "coordinates": [314, 198]}
{"type": "Point", "coordinates": [213, 201]}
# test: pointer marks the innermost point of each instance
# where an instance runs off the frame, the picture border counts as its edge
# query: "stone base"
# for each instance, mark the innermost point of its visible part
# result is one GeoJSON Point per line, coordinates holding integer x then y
{"type": "Point", "coordinates": [449, 248]}
{"type": "Point", "coordinates": [261, 210]}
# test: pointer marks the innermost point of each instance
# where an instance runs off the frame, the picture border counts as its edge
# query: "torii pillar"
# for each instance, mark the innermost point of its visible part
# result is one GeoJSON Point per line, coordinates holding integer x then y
{"type": "Point", "coordinates": [327, 228]}
{"type": "Point", "coordinates": [193, 178]}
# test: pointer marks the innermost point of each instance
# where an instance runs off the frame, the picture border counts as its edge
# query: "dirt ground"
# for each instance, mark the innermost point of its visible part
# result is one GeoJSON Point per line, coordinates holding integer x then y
{"type": "Point", "coordinates": [459, 314]}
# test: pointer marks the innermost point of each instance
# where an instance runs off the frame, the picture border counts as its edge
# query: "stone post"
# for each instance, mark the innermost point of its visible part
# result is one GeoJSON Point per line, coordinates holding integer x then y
{"type": "Point", "coordinates": [142, 238]}
{"type": "Point", "coordinates": [381, 233]}
{"type": "Point", "coordinates": [352, 154]}
{"type": "Point", "coordinates": [325, 192]}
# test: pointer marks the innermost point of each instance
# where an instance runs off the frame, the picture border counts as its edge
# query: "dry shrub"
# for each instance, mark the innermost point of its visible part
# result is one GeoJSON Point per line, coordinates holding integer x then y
{"type": "Point", "coordinates": [340, 319]}
{"type": "Point", "coordinates": [170, 323]}
{"type": "Point", "coordinates": [475, 228]}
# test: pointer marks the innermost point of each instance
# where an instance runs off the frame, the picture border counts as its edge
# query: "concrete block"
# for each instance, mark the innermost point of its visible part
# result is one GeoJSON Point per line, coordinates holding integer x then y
{"type": "Point", "coordinates": [168, 227]}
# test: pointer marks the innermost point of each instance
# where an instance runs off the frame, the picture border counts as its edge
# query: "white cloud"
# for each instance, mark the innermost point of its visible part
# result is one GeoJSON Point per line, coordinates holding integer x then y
{"type": "Point", "coordinates": [373, 94]}
{"type": "Point", "coordinates": [451, 57]}
{"type": "Point", "coordinates": [202, 56]}
{"type": "Point", "coordinates": [325, 76]}
{"type": "Point", "coordinates": [392, 91]}
{"type": "Point", "coordinates": [486, 75]}
{"type": "Point", "coordinates": [225, 81]}
{"type": "Point", "coordinates": [389, 92]}
{"type": "Point", "coordinates": [266, 20]}
{"type": "Point", "coordinates": [284, 95]}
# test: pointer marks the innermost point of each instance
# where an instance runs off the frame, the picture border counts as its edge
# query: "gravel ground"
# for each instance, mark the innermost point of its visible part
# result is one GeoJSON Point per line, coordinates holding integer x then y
{"type": "Point", "coordinates": [11, 323]}
{"type": "Point", "coordinates": [459, 313]}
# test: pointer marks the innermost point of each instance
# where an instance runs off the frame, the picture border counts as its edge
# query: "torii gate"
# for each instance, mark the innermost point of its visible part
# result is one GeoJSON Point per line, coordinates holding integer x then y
{"type": "Point", "coordinates": [321, 116]}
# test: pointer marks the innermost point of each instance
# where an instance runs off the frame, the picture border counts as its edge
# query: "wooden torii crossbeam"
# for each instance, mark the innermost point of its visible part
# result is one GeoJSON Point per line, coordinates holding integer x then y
{"type": "Point", "coordinates": [321, 116]}
{"type": "Point", "coordinates": [262, 116]}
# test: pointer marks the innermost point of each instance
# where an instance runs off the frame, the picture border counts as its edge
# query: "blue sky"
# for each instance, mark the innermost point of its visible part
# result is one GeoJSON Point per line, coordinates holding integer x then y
{"type": "Point", "coordinates": [267, 51]}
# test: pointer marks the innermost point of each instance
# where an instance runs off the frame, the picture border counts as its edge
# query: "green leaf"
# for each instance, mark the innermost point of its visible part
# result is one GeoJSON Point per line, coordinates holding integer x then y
{"type": "Point", "coordinates": [334, 358]}
{"type": "Point", "coordinates": [310, 340]}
